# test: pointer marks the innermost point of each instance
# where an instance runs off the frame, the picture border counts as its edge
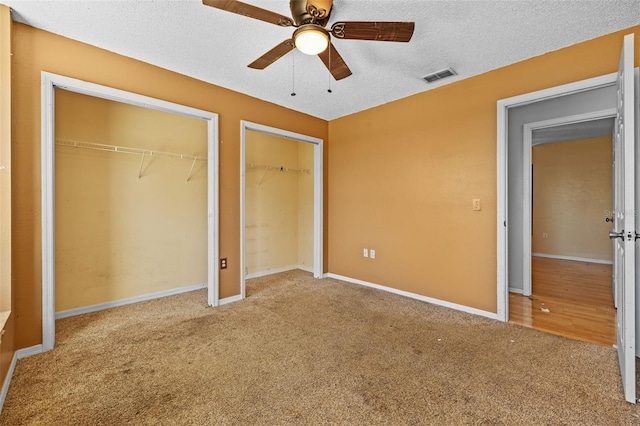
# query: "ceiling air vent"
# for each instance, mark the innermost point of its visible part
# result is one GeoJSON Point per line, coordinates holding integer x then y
{"type": "Point", "coordinates": [439, 75]}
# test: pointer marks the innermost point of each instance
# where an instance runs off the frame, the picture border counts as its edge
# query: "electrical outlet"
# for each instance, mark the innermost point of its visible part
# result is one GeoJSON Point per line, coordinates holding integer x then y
{"type": "Point", "coordinates": [372, 253]}
{"type": "Point", "coordinates": [365, 253]}
{"type": "Point", "coordinates": [223, 263]}
{"type": "Point", "coordinates": [477, 206]}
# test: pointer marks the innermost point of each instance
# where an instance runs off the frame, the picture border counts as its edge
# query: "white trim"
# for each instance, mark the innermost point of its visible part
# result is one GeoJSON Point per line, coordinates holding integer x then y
{"type": "Point", "coordinates": [269, 272]}
{"type": "Point", "coordinates": [527, 181]}
{"type": "Point", "coordinates": [502, 248]}
{"type": "Point", "coordinates": [503, 106]}
{"type": "Point", "coordinates": [49, 83]}
{"type": "Point", "coordinates": [277, 271]}
{"type": "Point", "coordinates": [318, 192]}
{"type": "Point", "coordinates": [31, 350]}
{"type": "Point", "coordinates": [128, 301]}
{"type": "Point", "coordinates": [230, 299]}
{"type": "Point", "coordinates": [7, 380]}
{"type": "Point", "coordinates": [431, 300]}
{"type": "Point", "coordinates": [21, 353]}
{"type": "Point", "coordinates": [573, 258]}
{"type": "Point", "coordinates": [307, 269]}
{"type": "Point", "coordinates": [515, 290]}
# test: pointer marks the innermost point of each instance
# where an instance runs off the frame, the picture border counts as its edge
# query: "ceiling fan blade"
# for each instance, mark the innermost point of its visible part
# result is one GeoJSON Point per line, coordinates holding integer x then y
{"type": "Point", "coordinates": [378, 31]}
{"type": "Point", "coordinates": [334, 63]}
{"type": "Point", "coordinates": [250, 11]}
{"type": "Point", "coordinates": [273, 55]}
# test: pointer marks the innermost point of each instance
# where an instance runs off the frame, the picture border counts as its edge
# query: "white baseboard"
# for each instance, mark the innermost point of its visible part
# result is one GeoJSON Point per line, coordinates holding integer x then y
{"type": "Point", "coordinates": [305, 268]}
{"type": "Point", "coordinates": [431, 300]}
{"type": "Point", "coordinates": [277, 271]}
{"type": "Point", "coordinates": [21, 353]}
{"type": "Point", "coordinates": [515, 290]}
{"type": "Point", "coordinates": [31, 350]}
{"type": "Point", "coordinates": [574, 258]}
{"type": "Point", "coordinates": [230, 299]}
{"type": "Point", "coordinates": [7, 380]}
{"type": "Point", "coordinates": [128, 301]}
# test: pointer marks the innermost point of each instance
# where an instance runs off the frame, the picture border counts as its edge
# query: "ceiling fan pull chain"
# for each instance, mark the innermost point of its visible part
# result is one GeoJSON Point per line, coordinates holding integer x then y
{"type": "Point", "coordinates": [329, 89]}
{"type": "Point", "coordinates": [293, 74]}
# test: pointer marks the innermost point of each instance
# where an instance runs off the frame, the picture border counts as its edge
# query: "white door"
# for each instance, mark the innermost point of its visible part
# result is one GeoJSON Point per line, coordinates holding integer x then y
{"type": "Point", "coordinates": [624, 225]}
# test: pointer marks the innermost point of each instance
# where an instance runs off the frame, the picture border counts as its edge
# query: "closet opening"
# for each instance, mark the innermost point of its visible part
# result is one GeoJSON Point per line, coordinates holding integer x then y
{"type": "Point", "coordinates": [281, 212]}
{"type": "Point", "coordinates": [130, 193]}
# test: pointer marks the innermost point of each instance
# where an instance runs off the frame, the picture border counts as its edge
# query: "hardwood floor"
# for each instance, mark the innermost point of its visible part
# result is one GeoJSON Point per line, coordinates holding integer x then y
{"type": "Point", "coordinates": [578, 298]}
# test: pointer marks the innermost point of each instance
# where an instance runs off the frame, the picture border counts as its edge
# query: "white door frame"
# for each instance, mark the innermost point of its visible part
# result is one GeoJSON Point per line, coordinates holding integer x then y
{"type": "Point", "coordinates": [503, 106]}
{"type": "Point", "coordinates": [528, 129]}
{"type": "Point", "coordinates": [49, 83]}
{"type": "Point", "coordinates": [317, 193]}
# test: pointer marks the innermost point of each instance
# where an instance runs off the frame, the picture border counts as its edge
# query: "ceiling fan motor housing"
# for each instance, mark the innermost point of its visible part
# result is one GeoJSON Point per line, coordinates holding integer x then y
{"type": "Point", "coordinates": [301, 15]}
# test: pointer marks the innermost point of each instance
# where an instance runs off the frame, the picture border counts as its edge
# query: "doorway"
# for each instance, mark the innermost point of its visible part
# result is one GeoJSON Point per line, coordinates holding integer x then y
{"type": "Point", "coordinates": [567, 290]}
{"type": "Point", "coordinates": [51, 82]}
{"type": "Point", "coordinates": [309, 168]}
{"type": "Point", "coordinates": [514, 173]}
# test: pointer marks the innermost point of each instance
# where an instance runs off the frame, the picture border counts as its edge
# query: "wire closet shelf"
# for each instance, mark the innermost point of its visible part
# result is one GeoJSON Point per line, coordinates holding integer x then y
{"type": "Point", "coordinates": [282, 169]}
{"type": "Point", "coordinates": [131, 150]}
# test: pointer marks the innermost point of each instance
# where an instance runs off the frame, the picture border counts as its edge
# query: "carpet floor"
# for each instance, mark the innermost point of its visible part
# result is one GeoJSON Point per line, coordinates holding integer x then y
{"type": "Point", "coordinates": [304, 351]}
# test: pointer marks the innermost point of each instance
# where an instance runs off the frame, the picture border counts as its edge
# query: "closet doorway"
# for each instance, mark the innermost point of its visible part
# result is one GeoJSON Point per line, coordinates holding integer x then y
{"type": "Point", "coordinates": [281, 202]}
{"type": "Point", "coordinates": [121, 195]}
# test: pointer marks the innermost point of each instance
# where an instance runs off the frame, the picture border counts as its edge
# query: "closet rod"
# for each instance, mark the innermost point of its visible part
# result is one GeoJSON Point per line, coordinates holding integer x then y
{"type": "Point", "coordinates": [278, 168]}
{"type": "Point", "coordinates": [127, 150]}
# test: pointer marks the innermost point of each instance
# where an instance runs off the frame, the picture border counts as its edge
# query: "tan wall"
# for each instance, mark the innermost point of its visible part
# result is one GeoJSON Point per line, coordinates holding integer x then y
{"type": "Point", "coordinates": [571, 198]}
{"type": "Point", "coordinates": [117, 235]}
{"type": "Point", "coordinates": [402, 177]}
{"type": "Point", "coordinates": [278, 220]}
{"type": "Point", "coordinates": [35, 51]}
{"type": "Point", "coordinates": [7, 339]}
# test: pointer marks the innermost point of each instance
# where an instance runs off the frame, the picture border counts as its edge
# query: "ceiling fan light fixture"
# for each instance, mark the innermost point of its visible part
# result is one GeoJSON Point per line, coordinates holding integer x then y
{"type": "Point", "coordinates": [311, 39]}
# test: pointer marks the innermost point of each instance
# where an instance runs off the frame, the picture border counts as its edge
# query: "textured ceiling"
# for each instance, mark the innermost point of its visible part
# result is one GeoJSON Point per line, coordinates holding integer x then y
{"type": "Point", "coordinates": [472, 36]}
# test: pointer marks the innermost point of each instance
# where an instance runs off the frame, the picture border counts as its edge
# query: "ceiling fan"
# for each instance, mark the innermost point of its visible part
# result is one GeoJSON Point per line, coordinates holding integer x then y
{"type": "Point", "coordinates": [311, 37]}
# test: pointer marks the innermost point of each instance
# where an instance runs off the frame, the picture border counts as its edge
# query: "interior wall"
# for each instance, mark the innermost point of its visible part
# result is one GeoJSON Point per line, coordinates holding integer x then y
{"type": "Point", "coordinates": [118, 235]}
{"type": "Point", "coordinates": [278, 220]}
{"type": "Point", "coordinates": [572, 196]}
{"type": "Point", "coordinates": [402, 177]}
{"type": "Point", "coordinates": [36, 50]}
{"type": "Point", "coordinates": [7, 311]}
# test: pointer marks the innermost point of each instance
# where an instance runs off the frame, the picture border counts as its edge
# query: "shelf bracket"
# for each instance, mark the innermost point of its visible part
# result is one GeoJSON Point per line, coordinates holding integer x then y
{"type": "Point", "coordinates": [141, 164]}
{"type": "Point", "coordinates": [191, 169]}
{"type": "Point", "coordinates": [263, 175]}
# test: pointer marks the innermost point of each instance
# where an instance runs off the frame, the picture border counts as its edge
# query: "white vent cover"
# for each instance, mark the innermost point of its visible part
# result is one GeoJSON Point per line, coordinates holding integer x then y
{"type": "Point", "coordinates": [439, 75]}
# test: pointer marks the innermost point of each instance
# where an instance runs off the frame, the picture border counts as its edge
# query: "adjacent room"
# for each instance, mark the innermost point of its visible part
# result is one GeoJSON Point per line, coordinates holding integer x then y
{"type": "Point", "coordinates": [319, 212]}
{"type": "Point", "coordinates": [571, 253]}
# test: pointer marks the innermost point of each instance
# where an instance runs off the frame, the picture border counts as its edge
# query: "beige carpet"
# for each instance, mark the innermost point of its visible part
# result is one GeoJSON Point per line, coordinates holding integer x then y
{"type": "Point", "coordinates": [305, 351]}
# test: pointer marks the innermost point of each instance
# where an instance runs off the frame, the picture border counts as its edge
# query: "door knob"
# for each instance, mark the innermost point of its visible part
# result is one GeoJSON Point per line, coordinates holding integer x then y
{"type": "Point", "coordinates": [613, 235]}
